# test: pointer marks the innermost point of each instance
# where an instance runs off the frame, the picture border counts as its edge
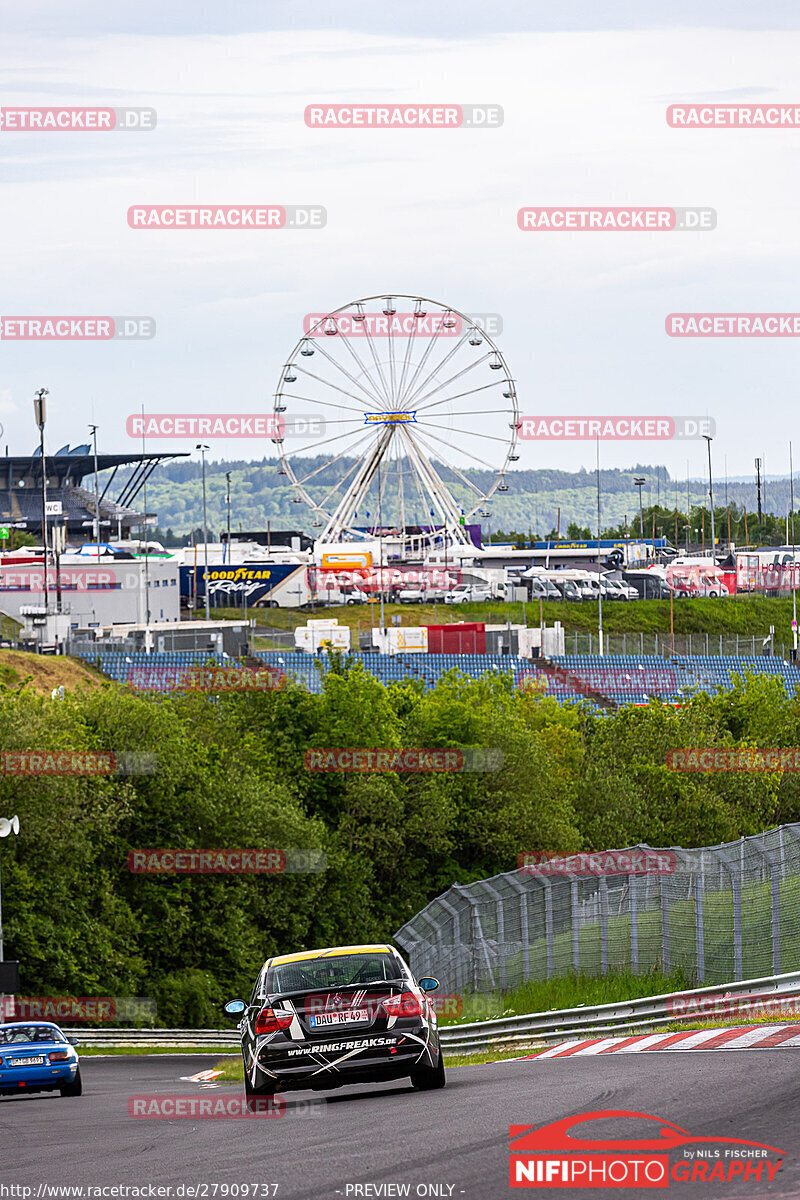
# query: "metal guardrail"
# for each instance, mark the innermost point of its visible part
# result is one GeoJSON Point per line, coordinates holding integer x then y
{"type": "Point", "coordinates": [556, 1025]}
{"type": "Point", "coordinates": [607, 1019]}
{"type": "Point", "coordinates": [155, 1037]}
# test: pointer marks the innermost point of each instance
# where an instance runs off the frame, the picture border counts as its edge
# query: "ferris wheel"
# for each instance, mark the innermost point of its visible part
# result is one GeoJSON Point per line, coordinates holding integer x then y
{"type": "Point", "coordinates": [393, 414]}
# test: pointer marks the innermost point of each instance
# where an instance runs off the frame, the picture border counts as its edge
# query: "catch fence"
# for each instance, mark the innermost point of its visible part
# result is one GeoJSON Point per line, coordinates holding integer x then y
{"type": "Point", "coordinates": [709, 645]}
{"type": "Point", "coordinates": [718, 913]}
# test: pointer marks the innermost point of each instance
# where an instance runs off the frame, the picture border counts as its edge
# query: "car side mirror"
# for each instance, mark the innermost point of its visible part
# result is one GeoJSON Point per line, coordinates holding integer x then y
{"type": "Point", "coordinates": [428, 984]}
{"type": "Point", "coordinates": [234, 1008]}
{"type": "Point", "coordinates": [73, 1041]}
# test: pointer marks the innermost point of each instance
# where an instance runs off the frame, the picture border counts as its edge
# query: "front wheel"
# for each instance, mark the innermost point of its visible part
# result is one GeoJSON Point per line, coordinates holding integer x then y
{"type": "Point", "coordinates": [74, 1087]}
{"type": "Point", "coordinates": [427, 1079]}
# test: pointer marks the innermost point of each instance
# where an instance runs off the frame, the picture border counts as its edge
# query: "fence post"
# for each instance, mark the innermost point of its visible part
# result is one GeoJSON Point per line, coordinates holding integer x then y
{"type": "Point", "coordinates": [634, 919]}
{"type": "Point", "coordinates": [720, 645]}
{"type": "Point", "coordinates": [775, 895]}
{"type": "Point", "coordinates": [548, 924]}
{"type": "Point", "coordinates": [773, 864]}
{"type": "Point", "coordinates": [700, 945]}
{"type": "Point", "coordinates": [736, 888]}
{"type": "Point", "coordinates": [525, 927]}
{"type": "Point", "coordinates": [656, 644]}
{"type": "Point", "coordinates": [576, 943]}
{"type": "Point", "coordinates": [603, 890]}
{"type": "Point", "coordinates": [624, 636]}
{"type": "Point", "coordinates": [641, 643]}
{"type": "Point", "coordinates": [501, 932]}
{"type": "Point", "coordinates": [665, 964]}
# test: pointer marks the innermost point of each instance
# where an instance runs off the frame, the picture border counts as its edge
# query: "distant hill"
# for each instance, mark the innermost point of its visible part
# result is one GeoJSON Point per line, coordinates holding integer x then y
{"type": "Point", "coordinates": [259, 494]}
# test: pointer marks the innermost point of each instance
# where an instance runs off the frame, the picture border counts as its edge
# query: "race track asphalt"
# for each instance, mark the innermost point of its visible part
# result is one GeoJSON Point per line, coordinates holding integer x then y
{"type": "Point", "coordinates": [456, 1139]}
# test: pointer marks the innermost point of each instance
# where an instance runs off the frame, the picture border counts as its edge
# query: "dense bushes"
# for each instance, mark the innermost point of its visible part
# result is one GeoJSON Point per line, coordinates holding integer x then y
{"type": "Point", "coordinates": [231, 774]}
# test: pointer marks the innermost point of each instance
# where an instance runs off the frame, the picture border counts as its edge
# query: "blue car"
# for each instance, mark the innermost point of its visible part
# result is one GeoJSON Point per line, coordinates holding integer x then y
{"type": "Point", "coordinates": [35, 1056]}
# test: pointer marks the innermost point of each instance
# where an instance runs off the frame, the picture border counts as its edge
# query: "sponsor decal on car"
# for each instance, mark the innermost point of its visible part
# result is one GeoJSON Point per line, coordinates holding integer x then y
{"type": "Point", "coordinates": [351, 1044]}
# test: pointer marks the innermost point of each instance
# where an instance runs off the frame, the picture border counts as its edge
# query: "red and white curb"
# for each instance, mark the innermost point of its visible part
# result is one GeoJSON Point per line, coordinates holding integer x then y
{"type": "Point", "coordinates": [744, 1037]}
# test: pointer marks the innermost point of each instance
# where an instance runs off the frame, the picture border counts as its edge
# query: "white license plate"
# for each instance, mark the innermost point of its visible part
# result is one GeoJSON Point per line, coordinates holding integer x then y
{"type": "Point", "coordinates": [27, 1062]}
{"type": "Point", "coordinates": [339, 1018]}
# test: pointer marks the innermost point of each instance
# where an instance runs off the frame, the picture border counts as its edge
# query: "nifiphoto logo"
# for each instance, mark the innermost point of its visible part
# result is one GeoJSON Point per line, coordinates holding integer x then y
{"type": "Point", "coordinates": [589, 1150]}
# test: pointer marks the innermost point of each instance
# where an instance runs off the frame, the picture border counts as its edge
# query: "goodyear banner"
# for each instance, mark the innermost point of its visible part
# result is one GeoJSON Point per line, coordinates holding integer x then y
{"type": "Point", "coordinates": [230, 584]}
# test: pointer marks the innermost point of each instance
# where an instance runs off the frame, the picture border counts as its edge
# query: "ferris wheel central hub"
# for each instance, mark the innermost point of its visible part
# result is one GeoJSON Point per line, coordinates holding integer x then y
{"type": "Point", "coordinates": [390, 418]}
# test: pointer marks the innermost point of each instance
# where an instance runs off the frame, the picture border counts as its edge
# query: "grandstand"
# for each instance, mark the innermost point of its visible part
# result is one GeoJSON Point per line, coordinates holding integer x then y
{"type": "Point", "coordinates": [21, 489]}
{"type": "Point", "coordinates": [623, 679]}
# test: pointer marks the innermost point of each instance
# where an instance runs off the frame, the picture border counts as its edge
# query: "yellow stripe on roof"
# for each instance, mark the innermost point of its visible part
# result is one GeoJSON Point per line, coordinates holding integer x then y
{"type": "Point", "coordinates": [307, 955]}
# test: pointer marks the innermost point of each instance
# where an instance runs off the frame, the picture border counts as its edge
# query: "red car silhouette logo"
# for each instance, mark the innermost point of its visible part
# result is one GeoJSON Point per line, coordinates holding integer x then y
{"type": "Point", "coordinates": [555, 1136]}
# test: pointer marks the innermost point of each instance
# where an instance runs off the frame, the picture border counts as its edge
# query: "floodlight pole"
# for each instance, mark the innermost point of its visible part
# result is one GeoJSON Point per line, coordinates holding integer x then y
{"type": "Point", "coordinates": [708, 440]}
{"type": "Point", "coordinates": [202, 448]}
{"type": "Point", "coordinates": [639, 482]}
{"type": "Point", "coordinates": [794, 569]}
{"type": "Point", "coordinates": [599, 589]}
{"type": "Point", "coordinates": [228, 502]}
{"type": "Point", "coordinates": [40, 415]}
{"type": "Point", "coordinates": [93, 428]}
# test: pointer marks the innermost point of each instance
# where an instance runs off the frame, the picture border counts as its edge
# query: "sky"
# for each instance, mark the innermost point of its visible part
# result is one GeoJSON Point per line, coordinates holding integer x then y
{"type": "Point", "coordinates": [429, 212]}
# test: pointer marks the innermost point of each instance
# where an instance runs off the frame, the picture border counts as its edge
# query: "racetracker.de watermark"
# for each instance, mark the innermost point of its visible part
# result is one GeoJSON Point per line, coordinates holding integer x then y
{"type": "Point", "coordinates": [403, 116]}
{"type": "Point", "coordinates": [617, 219]}
{"type": "Point", "coordinates": [375, 759]}
{"type": "Point", "coordinates": [584, 429]}
{"type": "Point", "coordinates": [69, 120]}
{"type": "Point", "coordinates": [69, 579]}
{"type": "Point", "coordinates": [601, 862]}
{"type": "Point", "coordinates": [77, 1009]}
{"type": "Point", "coordinates": [76, 329]}
{"type": "Point", "coordinates": [711, 325]}
{"type": "Point", "coordinates": [725, 1005]}
{"type": "Point", "coordinates": [227, 216]}
{"type": "Point", "coordinates": [226, 862]}
{"type": "Point", "coordinates": [219, 1107]}
{"type": "Point", "coordinates": [745, 758]}
{"type": "Point", "coordinates": [398, 324]}
{"type": "Point", "coordinates": [86, 763]}
{"type": "Point", "coordinates": [224, 425]}
{"type": "Point", "coordinates": [209, 679]}
{"type": "Point", "coordinates": [733, 116]}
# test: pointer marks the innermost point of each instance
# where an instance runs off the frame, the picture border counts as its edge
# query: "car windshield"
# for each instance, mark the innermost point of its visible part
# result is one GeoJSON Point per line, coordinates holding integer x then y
{"type": "Point", "coordinates": [13, 1034]}
{"type": "Point", "coordinates": [336, 970]}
